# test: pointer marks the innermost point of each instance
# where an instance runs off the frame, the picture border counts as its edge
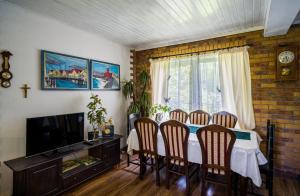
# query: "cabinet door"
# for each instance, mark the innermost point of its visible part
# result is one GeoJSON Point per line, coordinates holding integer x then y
{"type": "Point", "coordinates": [44, 179]}
{"type": "Point", "coordinates": [111, 153]}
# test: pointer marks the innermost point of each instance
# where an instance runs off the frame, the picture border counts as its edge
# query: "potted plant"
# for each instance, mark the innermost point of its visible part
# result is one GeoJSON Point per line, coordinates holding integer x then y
{"type": "Point", "coordinates": [141, 103]}
{"type": "Point", "coordinates": [159, 111]}
{"type": "Point", "coordinates": [128, 91]}
{"type": "Point", "coordinates": [96, 114]}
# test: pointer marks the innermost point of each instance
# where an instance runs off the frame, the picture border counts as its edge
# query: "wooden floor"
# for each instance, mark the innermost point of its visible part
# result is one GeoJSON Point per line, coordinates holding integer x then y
{"type": "Point", "coordinates": [124, 180]}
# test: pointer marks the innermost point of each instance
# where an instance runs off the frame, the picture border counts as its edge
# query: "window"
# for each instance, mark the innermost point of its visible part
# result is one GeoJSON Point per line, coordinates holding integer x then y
{"type": "Point", "coordinates": [194, 83]}
{"type": "Point", "coordinates": [212, 82]}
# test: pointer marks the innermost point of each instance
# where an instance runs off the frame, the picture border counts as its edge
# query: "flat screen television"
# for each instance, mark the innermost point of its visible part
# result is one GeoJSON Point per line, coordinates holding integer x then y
{"type": "Point", "coordinates": [52, 132]}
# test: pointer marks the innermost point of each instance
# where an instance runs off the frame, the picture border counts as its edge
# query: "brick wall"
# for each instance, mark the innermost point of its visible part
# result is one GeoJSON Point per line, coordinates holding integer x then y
{"type": "Point", "coordinates": [278, 101]}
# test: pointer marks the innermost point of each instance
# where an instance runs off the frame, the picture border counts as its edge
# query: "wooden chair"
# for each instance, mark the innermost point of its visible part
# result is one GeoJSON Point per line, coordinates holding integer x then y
{"type": "Point", "coordinates": [179, 115]}
{"type": "Point", "coordinates": [267, 169]}
{"type": "Point", "coordinates": [147, 135]}
{"type": "Point", "coordinates": [224, 119]}
{"type": "Point", "coordinates": [216, 145]}
{"type": "Point", "coordinates": [130, 125]}
{"type": "Point", "coordinates": [175, 135]}
{"type": "Point", "coordinates": [199, 117]}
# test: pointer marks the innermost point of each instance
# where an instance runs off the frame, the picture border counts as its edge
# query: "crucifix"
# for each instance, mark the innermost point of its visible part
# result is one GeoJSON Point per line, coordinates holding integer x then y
{"type": "Point", "coordinates": [25, 88]}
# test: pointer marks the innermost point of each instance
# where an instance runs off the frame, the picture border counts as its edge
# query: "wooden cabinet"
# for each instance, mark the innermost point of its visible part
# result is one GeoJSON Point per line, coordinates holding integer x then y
{"type": "Point", "coordinates": [44, 179]}
{"type": "Point", "coordinates": [111, 153]}
{"type": "Point", "coordinates": [42, 175]}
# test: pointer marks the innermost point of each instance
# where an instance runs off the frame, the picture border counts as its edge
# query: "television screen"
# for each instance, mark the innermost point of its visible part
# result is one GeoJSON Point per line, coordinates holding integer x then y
{"type": "Point", "coordinates": [52, 132]}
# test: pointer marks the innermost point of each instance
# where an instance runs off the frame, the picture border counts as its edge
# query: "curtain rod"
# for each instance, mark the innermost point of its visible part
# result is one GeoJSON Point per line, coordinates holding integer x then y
{"type": "Point", "coordinates": [249, 45]}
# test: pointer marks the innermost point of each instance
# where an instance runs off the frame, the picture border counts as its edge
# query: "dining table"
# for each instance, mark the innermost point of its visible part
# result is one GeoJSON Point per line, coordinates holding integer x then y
{"type": "Point", "coordinates": [246, 155]}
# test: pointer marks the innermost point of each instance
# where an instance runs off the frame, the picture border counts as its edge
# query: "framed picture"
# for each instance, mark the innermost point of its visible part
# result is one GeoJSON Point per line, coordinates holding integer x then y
{"type": "Point", "coordinates": [64, 72]}
{"type": "Point", "coordinates": [104, 76]}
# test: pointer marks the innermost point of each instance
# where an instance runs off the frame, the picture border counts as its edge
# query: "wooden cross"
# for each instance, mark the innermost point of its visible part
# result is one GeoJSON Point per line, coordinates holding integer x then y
{"type": "Point", "coordinates": [25, 88]}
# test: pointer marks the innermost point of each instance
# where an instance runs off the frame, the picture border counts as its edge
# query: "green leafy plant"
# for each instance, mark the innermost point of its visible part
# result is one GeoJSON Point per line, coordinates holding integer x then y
{"type": "Point", "coordinates": [96, 114]}
{"type": "Point", "coordinates": [144, 98]}
{"type": "Point", "coordinates": [128, 91]}
{"type": "Point", "coordinates": [143, 103]}
{"type": "Point", "coordinates": [159, 109]}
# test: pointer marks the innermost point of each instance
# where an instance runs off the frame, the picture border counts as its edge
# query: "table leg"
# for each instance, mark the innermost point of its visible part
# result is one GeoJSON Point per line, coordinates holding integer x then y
{"type": "Point", "coordinates": [243, 185]}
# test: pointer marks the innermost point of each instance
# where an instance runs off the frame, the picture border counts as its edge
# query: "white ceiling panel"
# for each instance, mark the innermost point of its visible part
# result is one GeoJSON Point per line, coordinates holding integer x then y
{"type": "Point", "coordinates": [151, 23]}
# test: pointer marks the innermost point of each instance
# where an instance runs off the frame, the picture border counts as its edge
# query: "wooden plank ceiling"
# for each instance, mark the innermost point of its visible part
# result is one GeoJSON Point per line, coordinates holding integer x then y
{"type": "Point", "coordinates": [152, 23]}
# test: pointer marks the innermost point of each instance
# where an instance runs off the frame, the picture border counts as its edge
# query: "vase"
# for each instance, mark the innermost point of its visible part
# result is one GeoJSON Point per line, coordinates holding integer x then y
{"type": "Point", "coordinates": [96, 134]}
{"type": "Point", "coordinates": [159, 117]}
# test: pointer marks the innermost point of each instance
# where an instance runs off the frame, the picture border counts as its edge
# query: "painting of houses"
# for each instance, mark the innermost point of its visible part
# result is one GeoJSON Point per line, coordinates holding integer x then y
{"type": "Point", "coordinates": [60, 71]}
{"type": "Point", "coordinates": [105, 76]}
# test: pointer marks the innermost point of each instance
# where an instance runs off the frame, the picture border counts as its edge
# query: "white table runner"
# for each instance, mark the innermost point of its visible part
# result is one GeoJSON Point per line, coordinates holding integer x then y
{"type": "Point", "coordinates": [245, 157]}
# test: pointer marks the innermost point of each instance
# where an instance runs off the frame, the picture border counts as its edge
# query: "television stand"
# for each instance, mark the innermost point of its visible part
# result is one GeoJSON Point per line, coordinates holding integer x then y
{"type": "Point", "coordinates": [59, 152]}
{"type": "Point", "coordinates": [43, 175]}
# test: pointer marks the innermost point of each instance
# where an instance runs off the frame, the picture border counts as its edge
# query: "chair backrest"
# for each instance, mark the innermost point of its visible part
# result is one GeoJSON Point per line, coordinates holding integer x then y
{"type": "Point", "coordinates": [179, 115]}
{"type": "Point", "coordinates": [131, 118]}
{"type": "Point", "coordinates": [147, 135]}
{"type": "Point", "coordinates": [224, 119]}
{"type": "Point", "coordinates": [216, 146]}
{"type": "Point", "coordinates": [199, 117]}
{"type": "Point", "coordinates": [270, 143]}
{"type": "Point", "coordinates": [175, 135]}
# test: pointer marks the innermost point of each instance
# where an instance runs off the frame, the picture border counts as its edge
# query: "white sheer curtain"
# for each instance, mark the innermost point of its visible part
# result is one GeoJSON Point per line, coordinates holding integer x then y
{"type": "Point", "coordinates": [205, 83]}
{"type": "Point", "coordinates": [236, 85]}
{"type": "Point", "coordinates": [193, 82]}
{"type": "Point", "coordinates": [159, 72]}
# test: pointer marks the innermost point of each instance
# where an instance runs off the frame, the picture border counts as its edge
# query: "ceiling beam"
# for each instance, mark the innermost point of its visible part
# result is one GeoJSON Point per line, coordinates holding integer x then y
{"type": "Point", "coordinates": [280, 16]}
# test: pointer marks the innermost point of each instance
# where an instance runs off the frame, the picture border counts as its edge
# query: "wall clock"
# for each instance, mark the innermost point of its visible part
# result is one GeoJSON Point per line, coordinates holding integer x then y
{"type": "Point", "coordinates": [286, 66]}
{"type": "Point", "coordinates": [5, 74]}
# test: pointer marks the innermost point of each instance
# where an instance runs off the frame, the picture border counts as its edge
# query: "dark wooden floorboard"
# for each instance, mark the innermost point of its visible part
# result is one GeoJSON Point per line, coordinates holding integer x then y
{"type": "Point", "coordinates": [124, 181]}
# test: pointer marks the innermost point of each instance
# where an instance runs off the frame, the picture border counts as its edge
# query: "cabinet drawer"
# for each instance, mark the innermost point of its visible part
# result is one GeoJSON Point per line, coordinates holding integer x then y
{"type": "Point", "coordinates": [94, 170]}
{"type": "Point", "coordinates": [82, 175]}
{"type": "Point", "coordinates": [70, 181]}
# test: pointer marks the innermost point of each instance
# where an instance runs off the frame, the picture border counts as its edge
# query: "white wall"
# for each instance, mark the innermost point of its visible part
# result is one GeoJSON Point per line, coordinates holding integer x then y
{"type": "Point", "coordinates": [24, 34]}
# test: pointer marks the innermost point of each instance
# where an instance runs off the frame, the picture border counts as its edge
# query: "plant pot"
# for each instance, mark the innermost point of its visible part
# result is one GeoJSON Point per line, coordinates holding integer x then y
{"type": "Point", "coordinates": [159, 117]}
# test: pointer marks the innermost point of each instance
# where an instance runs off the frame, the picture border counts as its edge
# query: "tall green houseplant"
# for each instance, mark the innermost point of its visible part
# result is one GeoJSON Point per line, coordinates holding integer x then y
{"type": "Point", "coordinates": [142, 102]}
{"type": "Point", "coordinates": [96, 114]}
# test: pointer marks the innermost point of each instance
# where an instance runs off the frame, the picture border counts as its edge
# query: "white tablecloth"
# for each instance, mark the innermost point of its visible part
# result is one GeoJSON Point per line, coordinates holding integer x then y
{"type": "Point", "coordinates": [245, 157]}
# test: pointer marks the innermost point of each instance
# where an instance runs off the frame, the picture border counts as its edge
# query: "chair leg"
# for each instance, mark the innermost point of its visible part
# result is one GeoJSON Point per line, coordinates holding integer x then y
{"type": "Point", "coordinates": [152, 164]}
{"type": "Point", "coordinates": [128, 159]}
{"type": "Point", "coordinates": [187, 180]}
{"type": "Point", "coordinates": [267, 181]}
{"type": "Point", "coordinates": [229, 184]}
{"type": "Point", "coordinates": [229, 190]}
{"type": "Point", "coordinates": [157, 172]}
{"type": "Point", "coordinates": [235, 183]}
{"type": "Point", "coordinates": [203, 190]}
{"type": "Point", "coordinates": [197, 174]}
{"type": "Point", "coordinates": [142, 166]}
{"type": "Point", "coordinates": [168, 175]}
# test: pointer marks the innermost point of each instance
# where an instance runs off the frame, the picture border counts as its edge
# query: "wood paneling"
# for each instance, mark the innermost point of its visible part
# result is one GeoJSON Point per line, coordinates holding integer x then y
{"type": "Point", "coordinates": [278, 101]}
{"type": "Point", "coordinates": [140, 23]}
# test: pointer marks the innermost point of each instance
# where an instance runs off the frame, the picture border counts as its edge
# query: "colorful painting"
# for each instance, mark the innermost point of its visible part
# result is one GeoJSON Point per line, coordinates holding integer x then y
{"type": "Point", "coordinates": [64, 72]}
{"type": "Point", "coordinates": [105, 76]}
